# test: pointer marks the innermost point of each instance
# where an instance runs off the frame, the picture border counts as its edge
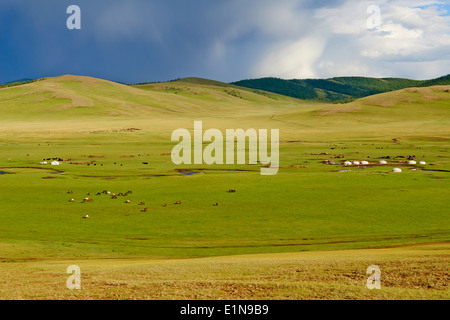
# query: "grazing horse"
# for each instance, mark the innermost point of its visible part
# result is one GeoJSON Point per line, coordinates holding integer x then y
{"type": "Point", "coordinates": [69, 191]}
{"type": "Point", "coordinates": [72, 200]}
{"type": "Point", "coordinates": [145, 210]}
{"type": "Point", "coordinates": [128, 201]}
{"type": "Point", "coordinates": [141, 203]}
{"type": "Point", "coordinates": [231, 190]}
{"type": "Point", "coordinates": [114, 197]}
{"type": "Point", "coordinates": [165, 205]}
{"type": "Point", "coordinates": [178, 202]}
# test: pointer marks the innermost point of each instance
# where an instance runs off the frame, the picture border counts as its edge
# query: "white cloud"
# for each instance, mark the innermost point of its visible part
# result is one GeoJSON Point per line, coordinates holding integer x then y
{"type": "Point", "coordinates": [411, 41]}
{"type": "Point", "coordinates": [292, 60]}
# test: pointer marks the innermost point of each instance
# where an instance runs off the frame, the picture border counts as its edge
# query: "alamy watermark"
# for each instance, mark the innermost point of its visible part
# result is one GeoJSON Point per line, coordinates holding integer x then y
{"type": "Point", "coordinates": [374, 281]}
{"type": "Point", "coordinates": [74, 281]}
{"type": "Point", "coordinates": [374, 20]}
{"type": "Point", "coordinates": [213, 153]}
{"type": "Point", "coordinates": [74, 20]}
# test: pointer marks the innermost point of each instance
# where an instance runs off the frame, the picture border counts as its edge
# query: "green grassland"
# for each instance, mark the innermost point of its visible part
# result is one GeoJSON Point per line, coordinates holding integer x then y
{"type": "Point", "coordinates": [123, 133]}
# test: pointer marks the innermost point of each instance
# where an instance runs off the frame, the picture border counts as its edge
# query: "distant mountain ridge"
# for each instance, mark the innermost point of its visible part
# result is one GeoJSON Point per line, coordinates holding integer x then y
{"type": "Point", "coordinates": [337, 89]}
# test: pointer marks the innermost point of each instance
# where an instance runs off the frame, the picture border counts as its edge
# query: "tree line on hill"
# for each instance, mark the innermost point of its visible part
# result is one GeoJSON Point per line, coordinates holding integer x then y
{"type": "Point", "coordinates": [18, 82]}
{"type": "Point", "coordinates": [338, 89]}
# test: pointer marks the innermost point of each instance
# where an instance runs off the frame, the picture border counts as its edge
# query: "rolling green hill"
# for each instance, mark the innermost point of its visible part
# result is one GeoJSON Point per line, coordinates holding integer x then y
{"type": "Point", "coordinates": [78, 97]}
{"type": "Point", "coordinates": [338, 89]}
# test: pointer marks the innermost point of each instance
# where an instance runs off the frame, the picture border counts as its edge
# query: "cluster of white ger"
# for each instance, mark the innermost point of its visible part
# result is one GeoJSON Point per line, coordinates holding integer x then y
{"type": "Point", "coordinates": [357, 163]}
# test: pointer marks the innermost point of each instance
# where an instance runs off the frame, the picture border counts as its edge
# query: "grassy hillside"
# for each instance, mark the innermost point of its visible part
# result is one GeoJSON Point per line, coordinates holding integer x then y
{"type": "Point", "coordinates": [403, 114]}
{"type": "Point", "coordinates": [76, 97]}
{"type": "Point", "coordinates": [337, 89]}
{"type": "Point", "coordinates": [118, 138]}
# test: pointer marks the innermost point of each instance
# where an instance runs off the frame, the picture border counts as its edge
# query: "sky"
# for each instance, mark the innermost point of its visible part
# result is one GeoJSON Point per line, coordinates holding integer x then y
{"type": "Point", "coordinates": [137, 41]}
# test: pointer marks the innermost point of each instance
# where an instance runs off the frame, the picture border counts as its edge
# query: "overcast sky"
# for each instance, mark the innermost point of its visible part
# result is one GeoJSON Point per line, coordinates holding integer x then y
{"type": "Point", "coordinates": [156, 40]}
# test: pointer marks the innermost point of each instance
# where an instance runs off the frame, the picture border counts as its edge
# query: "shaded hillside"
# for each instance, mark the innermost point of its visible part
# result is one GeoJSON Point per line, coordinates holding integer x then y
{"type": "Point", "coordinates": [339, 89]}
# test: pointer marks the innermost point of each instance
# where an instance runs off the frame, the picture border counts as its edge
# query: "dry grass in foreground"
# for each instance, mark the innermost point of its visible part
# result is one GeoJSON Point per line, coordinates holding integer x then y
{"type": "Point", "coordinates": [415, 272]}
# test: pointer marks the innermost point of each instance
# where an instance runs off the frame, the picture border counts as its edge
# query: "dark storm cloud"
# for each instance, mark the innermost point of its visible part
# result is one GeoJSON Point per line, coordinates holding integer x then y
{"type": "Point", "coordinates": [135, 41]}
